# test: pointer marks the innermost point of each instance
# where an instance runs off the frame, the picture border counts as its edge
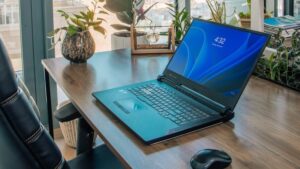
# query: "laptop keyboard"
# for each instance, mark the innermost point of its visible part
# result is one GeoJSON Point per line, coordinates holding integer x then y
{"type": "Point", "coordinates": [168, 104]}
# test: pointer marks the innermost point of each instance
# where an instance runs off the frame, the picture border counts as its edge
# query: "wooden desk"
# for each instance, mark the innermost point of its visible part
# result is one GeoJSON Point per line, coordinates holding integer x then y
{"type": "Point", "coordinates": [264, 134]}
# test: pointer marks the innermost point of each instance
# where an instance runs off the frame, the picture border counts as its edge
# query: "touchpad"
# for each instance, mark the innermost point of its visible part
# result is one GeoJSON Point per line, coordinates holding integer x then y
{"type": "Point", "coordinates": [130, 105]}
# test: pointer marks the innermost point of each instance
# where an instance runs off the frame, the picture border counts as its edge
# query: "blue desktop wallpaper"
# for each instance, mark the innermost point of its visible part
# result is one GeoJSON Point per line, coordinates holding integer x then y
{"type": "Point", "coordinates": [217, 57]}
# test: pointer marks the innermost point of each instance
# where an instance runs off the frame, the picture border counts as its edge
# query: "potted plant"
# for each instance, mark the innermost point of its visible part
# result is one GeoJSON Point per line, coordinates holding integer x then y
{"type": "Point", "coordinates": [282, 67]}
{"type": "Point", "coordinates": [78, 44]}
{"type": "Point", "coordinates": [245, 17]}
{"type": "Point", "coordinates": [181, 21]}
{"type": "Point", "coordinates": [128, 12]}
{"type": "Point", "coordinates": [217, 10]}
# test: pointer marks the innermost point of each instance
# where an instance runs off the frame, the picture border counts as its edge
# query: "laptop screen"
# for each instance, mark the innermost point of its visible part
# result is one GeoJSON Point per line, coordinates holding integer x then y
{"type": "Point", "coordinates": [220, 58]}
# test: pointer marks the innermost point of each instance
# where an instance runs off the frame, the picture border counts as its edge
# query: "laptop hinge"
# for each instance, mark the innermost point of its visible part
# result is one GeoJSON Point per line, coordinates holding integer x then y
{"type": "Point", "coordinates": [203, 99]}
{"type": "Point", "coordinates": [163, 78]}
{"type": "Point", "coordinates": [228, 115]}
{"type": "Point", "coordinates": [224, 111]}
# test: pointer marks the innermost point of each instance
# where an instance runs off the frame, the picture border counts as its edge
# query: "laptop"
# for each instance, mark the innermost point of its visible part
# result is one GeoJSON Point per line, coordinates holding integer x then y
{"type": "Point", "coordinates": [199, 87]}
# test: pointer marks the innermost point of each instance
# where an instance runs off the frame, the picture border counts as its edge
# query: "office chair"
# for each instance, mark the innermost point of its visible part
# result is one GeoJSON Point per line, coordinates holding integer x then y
{"type": "Point", "coordinates": [24, 142]}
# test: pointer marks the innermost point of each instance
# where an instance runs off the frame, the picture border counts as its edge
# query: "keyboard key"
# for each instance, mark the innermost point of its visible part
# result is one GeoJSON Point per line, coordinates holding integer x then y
{"type": "Point", "coordinates": [168, 104]}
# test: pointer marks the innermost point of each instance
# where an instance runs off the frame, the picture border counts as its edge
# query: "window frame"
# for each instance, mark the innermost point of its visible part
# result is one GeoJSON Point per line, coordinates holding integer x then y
{"type": "Point", "coordinates": [288, 6]}
{"type": "Point", "coordinates": [36, 20]}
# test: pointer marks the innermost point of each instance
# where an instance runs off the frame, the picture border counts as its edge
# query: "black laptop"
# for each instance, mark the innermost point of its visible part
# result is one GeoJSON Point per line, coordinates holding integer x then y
{"type": "Point", "coordinates": [200, 86]}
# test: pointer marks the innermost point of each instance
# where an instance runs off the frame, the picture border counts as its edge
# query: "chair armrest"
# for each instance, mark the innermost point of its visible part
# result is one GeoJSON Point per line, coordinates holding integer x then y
{"type": "Point", "coordinates": [66, 112]}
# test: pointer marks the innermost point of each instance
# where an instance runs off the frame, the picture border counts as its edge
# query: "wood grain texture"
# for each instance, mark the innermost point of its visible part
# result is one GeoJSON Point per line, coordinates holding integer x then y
{"type": "Point", "coordinates": [264, 134]}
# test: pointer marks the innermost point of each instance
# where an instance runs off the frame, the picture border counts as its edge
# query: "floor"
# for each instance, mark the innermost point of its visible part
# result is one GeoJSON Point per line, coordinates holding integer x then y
{"type": "Point", "coordinates": [68, 152]}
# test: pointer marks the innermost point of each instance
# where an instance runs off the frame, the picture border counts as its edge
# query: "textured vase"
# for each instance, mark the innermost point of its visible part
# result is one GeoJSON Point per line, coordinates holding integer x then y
{"type": "Point", "coordinates": [78, 48]}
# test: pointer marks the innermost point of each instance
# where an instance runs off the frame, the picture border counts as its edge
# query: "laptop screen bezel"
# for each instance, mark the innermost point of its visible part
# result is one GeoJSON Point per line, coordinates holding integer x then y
{"type": "Point", "coordinates": [227, 102]}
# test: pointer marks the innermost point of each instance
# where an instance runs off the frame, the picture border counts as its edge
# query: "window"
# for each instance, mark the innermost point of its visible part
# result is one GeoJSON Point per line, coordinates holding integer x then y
{"type": "Point", "coordinates": [9, 13]}
{"type": "Point", "coordinates": [297, 8]}
{"type": "Point", "coordinates": [280, 7]}
{"type": "Point", "coordinates": [199, 8]}
{"type": "Point", "coordinates": [159, 14]}
{"type": "Point", "coordinates": [10, 31]}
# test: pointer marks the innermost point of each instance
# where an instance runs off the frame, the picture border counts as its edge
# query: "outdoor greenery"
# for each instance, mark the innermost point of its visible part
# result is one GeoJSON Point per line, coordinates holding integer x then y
{"type": "Point", "coordinates": [283, 66]}
{"type": "Point", "coordinates": [276, 40]}
{"type": "Point", "coordinates": [83, 21]}
{"type": "Point", "coordinates": [181, 21]}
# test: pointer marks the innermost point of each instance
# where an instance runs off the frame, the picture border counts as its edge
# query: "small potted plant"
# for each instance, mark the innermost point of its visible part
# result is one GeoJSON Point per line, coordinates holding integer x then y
{"type": "Point", "coordinates": [78, 44]}
{"type": "Point", "coordinates": [245, 17]}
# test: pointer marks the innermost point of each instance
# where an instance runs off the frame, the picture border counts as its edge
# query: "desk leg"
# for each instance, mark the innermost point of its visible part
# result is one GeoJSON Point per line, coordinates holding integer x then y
{"type": "Point", "coordinates": [49, 105]}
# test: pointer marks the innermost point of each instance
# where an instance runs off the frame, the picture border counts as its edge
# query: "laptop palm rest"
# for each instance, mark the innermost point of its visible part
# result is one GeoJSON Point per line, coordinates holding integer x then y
{"type": "Point", "coordinates": [130, 105]}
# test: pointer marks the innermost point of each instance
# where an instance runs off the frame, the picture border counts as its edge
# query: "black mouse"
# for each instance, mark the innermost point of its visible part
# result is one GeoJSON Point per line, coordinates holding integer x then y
{"type": "Point", "coordinates": [210, 159]}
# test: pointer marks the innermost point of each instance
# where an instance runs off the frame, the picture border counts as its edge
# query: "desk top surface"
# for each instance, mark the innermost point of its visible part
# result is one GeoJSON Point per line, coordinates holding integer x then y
{"type": "Point", "coordinates": [265, 132]}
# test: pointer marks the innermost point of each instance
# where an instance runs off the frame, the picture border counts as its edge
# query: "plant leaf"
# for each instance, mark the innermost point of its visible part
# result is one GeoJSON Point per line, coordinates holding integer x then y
{"type": "Point", "coordinates": [101, 19]}
{"type": "Point", "coordinates": [72, 30]}
{"type": "Point", "coordinates": [125, 17]}
{"type": "Point", "coordinates": [118, 5]}
{"type": "Point", "coordinates": [120, 27]}
{"type": "Point", "coordinates": [103, 12]}
{"type": "Point", "coordinates": [100, 30]}
{"type": "Point", "coordinates": [54, 32]}
{"type": "Point", "coordinates": [64, 14]}
{"type": "Point", "coordinates": [90, 15]}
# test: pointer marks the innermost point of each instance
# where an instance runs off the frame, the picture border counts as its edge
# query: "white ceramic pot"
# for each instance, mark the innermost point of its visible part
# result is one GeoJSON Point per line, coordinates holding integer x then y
{"type": "Point", "coordinates": [121, 40]}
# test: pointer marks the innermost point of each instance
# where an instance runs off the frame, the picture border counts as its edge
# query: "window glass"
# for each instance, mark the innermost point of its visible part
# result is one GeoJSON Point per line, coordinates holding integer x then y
{"type": "Point", "coordinates": [199, 8]}
{"type": "Point", "coordinates": [10, 31]}
{"type": "Point", "coordinates": [297, 8]}
{"type": "Point", "coordinates": [158, 14]}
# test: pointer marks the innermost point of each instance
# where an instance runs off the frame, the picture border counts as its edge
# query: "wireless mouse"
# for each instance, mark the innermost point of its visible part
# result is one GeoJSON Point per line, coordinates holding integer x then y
{"type": "Point", "coordinates": [210, 159]}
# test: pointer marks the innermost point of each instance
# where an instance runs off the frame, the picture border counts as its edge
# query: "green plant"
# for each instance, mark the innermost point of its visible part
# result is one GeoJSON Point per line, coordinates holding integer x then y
{"type": "Point", "coordinates": [276, 40]}
{"type": "Point", "coordinates": [284, 66]}
{"type": "Point", "coordinates": [296, 40]}
{"type": "Point", "coordinates": [128, 12]}
{"type": "Point", "coordinates": [217, 10]}
{"type": "Point", "coordinates": [181, 21]}
{"type": "Point", "coordinates": [247, 14]}
{"type": "Point", "coordinates": [82, 22]}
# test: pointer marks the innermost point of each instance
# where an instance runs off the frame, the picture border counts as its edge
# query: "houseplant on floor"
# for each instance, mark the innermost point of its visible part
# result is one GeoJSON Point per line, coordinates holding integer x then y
{"type": "Point", "coordinates": [78, 44]}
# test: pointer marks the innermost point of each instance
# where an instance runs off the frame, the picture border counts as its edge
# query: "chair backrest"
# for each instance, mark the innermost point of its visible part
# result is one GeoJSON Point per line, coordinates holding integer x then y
{"type": "Point", "coordinates": [24, 141]}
